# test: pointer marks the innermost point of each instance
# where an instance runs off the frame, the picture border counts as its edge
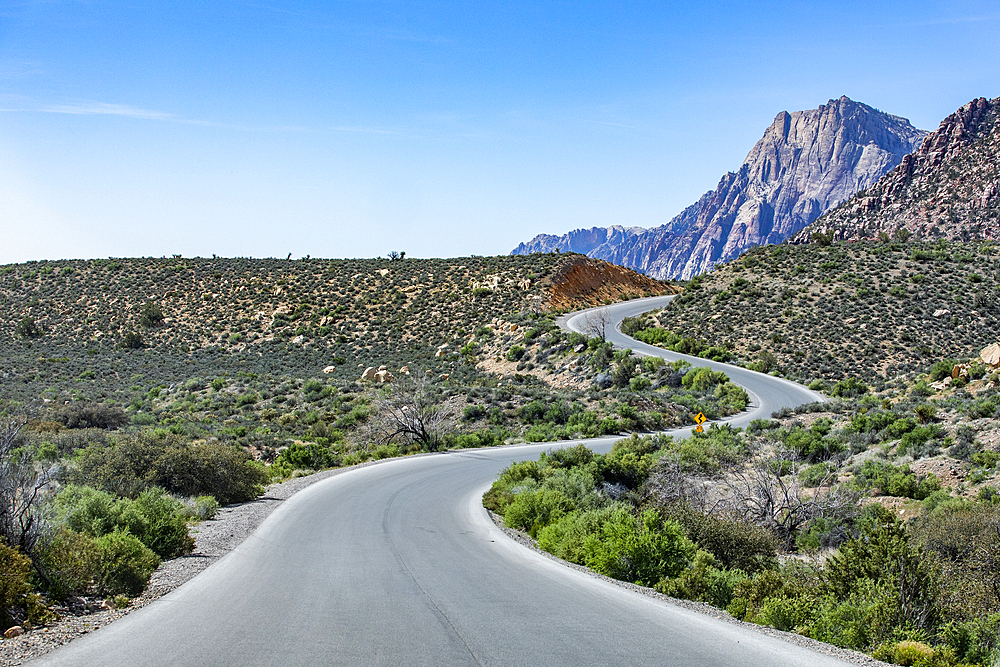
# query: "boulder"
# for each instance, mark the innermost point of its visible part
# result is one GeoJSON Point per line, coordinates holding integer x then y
{"type": "Point", "coordinates": [369, 374]}
{"type": "Point", "coordinates": [991, 354]}
{"type": "Point", "coordinates": [383, 376]}
{"type": "Point", "coordinates": [942, 312]}
{"type": "Point", "coordinates": [603, 380]}
{"type": "Point", "coordinates": [330, 369]}
{"type": "Point", "coordinates": [405, 370]}
{"type": "Point", "coordinates": [14, 631]}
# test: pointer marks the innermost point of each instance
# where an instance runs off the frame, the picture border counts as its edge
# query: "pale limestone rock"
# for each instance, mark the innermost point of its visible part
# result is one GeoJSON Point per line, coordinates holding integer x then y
{"type": "Point", "coordinates": [991, 354]}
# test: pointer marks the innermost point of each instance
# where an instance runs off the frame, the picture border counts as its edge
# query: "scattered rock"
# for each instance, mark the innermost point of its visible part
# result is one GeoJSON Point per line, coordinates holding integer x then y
{"type": "Point", "coordinates": [991, 354]}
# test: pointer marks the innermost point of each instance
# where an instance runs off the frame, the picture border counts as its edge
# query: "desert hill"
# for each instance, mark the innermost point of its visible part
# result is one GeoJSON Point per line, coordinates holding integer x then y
{"type": "Point", "coordinates": [85, 326]}
{"type": "Point", "coordinates": [867, 310]}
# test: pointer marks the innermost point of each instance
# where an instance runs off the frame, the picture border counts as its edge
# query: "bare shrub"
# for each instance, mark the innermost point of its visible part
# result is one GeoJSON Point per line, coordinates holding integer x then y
{"type": "Point", "coordinates": [408, 411]}
{"type": "Point", "coordinates": [766, 497]}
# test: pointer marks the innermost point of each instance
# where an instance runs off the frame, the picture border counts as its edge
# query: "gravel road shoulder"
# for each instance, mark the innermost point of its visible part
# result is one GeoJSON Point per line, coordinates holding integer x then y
{"type": "Point", "coordinates": [213, 540]}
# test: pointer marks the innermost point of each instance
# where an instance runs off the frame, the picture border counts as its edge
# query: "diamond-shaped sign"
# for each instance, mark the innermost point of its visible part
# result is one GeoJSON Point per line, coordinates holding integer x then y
{"type": "Point", "coordinates": [701, 419]}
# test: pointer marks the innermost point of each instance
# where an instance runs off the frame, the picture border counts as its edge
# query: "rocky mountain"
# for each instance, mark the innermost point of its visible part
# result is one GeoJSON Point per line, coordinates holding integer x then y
{"type": "Point", "coordinates": [948, 188]}
{"type": "Point", "coordinates": [806, 162]}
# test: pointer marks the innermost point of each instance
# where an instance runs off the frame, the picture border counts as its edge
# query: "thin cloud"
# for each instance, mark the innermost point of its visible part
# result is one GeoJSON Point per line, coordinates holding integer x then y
{"type": "Point", "coordinates": [105, 109]}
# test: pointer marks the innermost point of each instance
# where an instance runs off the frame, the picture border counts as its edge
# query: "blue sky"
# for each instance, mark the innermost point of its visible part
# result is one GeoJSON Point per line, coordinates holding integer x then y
{"type": "Point", "coordinates": [349, 129]}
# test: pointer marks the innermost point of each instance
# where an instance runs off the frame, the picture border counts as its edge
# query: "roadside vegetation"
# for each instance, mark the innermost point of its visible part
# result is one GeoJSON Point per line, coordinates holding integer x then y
{"type": "Point", "coordinates": [871, 522]}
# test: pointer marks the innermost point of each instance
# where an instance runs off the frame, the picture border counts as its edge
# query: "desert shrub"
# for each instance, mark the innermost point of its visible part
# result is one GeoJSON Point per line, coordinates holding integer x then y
{"type": "Point", "coordinates": [151, 315]}
{"type": "Point", "coordinates": [703, 581]}
{"type": "Point", "coordinates": [224, 471]}
{"type": "Point", "coordinates": [310, 456]}
{"type": "Point", "coordinates": [164, 523]}
{"type": "Point", "coordinates": [732, 540]}
{"type": "Point", "coordinates": [941, 369]}
{"type": "Point", "coordinates": [848, 388]}
{"type": "Point", "coordinates": [26, 328]}
{"type": "Point", "coordinates": [124, 465]}
{"type": "Point", "coordinates": [894, 480]}
{"type": "Point", "coordinates": [642, 549]}
{"type": "Point", "coordinates": [155, 518]}
{"type": "Point", "coordinates": [567, 537]}
{"type": "Point", "coordinates": [703, 378]}
{"type": "Point", "coordinates": [531, 511]}
{"type": "Point", "coordinates": [132, 340]}
{"type": "Point", "coordinates": [90, 415]}
{"type": "Point", "coordinates": [883, 558]}
{"type": "Point", "coordinates": [813, 444]}
{"type": "Point", "coordinates": [124, 564]}
{"type": "Point", "coordinates": [515, 353]}
{"type": "Point", "coordinates": [202, 508]}
{"type": "Point", "coordinates": [69, 562]}
{"type": "Point", "coordinates": [629, 461]}
{"type": "Point", "coordinates": [15, 569]}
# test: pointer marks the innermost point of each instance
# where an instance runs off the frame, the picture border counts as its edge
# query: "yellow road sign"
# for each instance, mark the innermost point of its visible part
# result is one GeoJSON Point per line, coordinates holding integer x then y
{"type": "Point", "coordinates": [701, 419]}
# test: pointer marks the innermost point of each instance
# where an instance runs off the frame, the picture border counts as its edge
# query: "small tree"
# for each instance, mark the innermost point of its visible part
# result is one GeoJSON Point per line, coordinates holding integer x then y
{"type": "Point", "coordinates": [409, 411]}
{"type": "Point", "coordinates": [822, 239]}
{"type": "Point", "coordinates": [151, 315]}
{"type": "Point", "coordinates": [761, 494]}
{"type": "Point", "coordinates": [21, 488]}
{"type": "Point", "coordinates": [27, 328]}
{"type": "Point", "coordinates": [596, 323]}
{"type": "Point", "coordinates": [132, 340]}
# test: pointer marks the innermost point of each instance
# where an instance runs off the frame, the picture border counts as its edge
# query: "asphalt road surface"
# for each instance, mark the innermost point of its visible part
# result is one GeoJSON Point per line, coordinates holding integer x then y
{"type": "Point", "coordinates": [398, 564]}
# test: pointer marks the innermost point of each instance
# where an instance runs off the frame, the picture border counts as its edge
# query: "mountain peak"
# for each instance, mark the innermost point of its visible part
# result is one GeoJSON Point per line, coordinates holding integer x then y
{"type": "Point", "coordinates": [805, 163]}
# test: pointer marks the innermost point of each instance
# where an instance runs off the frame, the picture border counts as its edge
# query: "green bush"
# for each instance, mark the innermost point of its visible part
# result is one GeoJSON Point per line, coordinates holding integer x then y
{"type": "Point", "coordinates": [155, 518]}
{"type": "Point", "coordinates": [224, 471]}
{"type": "Point", "coordinates": [124, 564]}
{"type": "Point", "coordinates": [642, 549]}
{"type": "Point", "coordinates": [531, 511]}
{"type": "Point", "coordinates": [703, 581]}
{"type": "Point", "coordinates": [15, 569]}
{"type": "Point", "coordinates": [515, 353]}
{"type": "Point", "coordinates": [734, 542]}
{"type": "Point", "coordinates": [848, 388]}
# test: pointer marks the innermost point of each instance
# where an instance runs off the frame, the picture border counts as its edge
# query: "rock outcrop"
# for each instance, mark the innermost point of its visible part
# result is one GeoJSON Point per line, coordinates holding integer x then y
{"type": "Point", "coordinates": [949, 188]}
{"type": "Point", "coordinates": [806, 162]}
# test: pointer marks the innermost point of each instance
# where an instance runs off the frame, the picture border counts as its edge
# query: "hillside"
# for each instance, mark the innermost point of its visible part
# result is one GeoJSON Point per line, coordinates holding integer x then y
{"type": "Point", "coordinates": [806, 162]}
{"type": "Point", "coordinates": [870, 310]}
{"type": "Point", "coordinates": [949, 188]}
{"type": "Point", "coordinates": [68, 325]}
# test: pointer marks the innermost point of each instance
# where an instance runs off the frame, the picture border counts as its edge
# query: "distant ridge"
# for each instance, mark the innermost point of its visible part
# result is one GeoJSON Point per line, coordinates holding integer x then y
{"type": "Point", "coordinates": [806, 162]}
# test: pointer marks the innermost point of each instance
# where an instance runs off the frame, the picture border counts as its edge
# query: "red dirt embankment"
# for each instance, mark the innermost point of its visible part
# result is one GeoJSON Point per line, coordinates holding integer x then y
{"type": "Point", "coordinates": [583, 282]}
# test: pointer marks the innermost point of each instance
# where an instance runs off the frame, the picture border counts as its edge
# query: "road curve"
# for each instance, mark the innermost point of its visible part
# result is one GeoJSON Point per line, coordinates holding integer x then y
{"type": "Point", "coordinates": [398, 564]}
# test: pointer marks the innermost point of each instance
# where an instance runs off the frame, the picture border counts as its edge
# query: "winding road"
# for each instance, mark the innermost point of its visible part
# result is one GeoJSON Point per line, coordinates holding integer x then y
{"type": "Point", "coordinates": [399, 564]}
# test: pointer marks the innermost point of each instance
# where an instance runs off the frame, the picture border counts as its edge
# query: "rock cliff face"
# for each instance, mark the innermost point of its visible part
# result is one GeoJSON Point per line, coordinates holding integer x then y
{"type": "Point", "coordinates": [806, 162]}
{"type": "Point", "coordinates": [579, 240]}
{"type": "Point", "coordinates": [949, 188]}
